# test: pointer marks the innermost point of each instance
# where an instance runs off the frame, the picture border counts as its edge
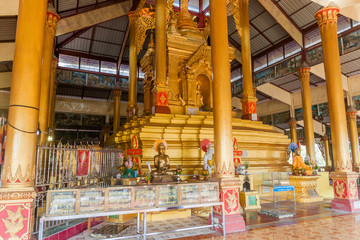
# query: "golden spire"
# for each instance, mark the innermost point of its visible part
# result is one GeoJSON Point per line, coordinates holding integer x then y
{"type": "Point", "coordinates": [185, 23]}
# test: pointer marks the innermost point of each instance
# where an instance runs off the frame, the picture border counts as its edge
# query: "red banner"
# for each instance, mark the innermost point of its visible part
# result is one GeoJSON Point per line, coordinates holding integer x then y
{"type": "Point", "coordinates": [83, 163]}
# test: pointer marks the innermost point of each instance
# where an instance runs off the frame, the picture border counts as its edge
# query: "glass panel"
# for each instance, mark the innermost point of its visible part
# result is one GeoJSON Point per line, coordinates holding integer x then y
{"type": "Point", "coordinates": [119, 198]}
{"type": "Point", "coordinates": [124, 70]}
{"type": "Point", "coordinates": [68, 61]}
{"type": "Point", "coordinates": [209, 192]}
{"type": "Point", "coordinates": [260, 63]}
{"type": "Point", "coordinates": [343, 24]}
{"type": "Point", "coordinates": [312, 38]}
{"type": "Point", "coordinates": [190, 194]}
{"type": "Point", "coordinates": [167, 195]}
{"type": "Point", "coordinates": [92, 200]}
{"type": "Point", "coordinates": [108, 67]}
{"type": "Point", "coordinates": [291, 49]}
{"type": "Point", "coordinates": [61, 203]}
{"type": "Point", "coordinates": [89, 64]}
{"type": "Point", "coordinates": [145, 197]}
{"type": "Point", "coordinates": [275, 56]}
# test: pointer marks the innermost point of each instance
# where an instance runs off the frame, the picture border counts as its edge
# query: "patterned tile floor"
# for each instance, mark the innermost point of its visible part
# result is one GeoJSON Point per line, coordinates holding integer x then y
{"type": "Point", "coordinates": [341, 227]}
{"type": "Point", "coordinates": [312, 221]}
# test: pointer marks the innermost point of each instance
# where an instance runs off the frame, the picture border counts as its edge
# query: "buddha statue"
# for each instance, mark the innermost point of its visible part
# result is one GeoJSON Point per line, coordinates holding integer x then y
{"type": "Point", "coordinates": [162, 171]}
{"type": "Point", "coordinates": [298, 162]}
{"type": "Point", "coordinates": [161, 161]}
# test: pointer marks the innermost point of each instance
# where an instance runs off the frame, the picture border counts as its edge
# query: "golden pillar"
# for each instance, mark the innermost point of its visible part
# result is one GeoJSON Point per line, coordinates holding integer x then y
{"type": "Point", "coordinates": [18, 176]}
{"type": "Point", "coordinates": [351, 113]}
{"type": "Point", "coordinates": [249, 98]}
{"type": "Point", "coordinates": [325, 140]}
{"type": "Point", "coordinates": [224, 164]}
{"type": "Point", "coordinates": [344, 180]}
{"type": "Point", "coordinates": [293, 125]}
{"type": "Point", "coordinates": [132, 100]}
{"type": "Point", "coordinates": [161, 88]}
{"type": "Point", "coordinates": [50, 27]}
{"type": "Point", "coordinates": [52, 98]}
{"type": "Point", "coordinates": [304, 74]}
{"type": "Point", "coordinates": [117, 103]}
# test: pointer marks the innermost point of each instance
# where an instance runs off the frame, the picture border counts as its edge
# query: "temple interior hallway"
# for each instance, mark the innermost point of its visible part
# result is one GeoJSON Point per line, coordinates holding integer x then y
{"type": "Point", "coordinates": [312, 221]}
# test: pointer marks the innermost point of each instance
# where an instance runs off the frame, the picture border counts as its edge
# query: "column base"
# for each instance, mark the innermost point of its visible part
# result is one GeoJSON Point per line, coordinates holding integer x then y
{"type": "Point", "coordinates": [345, 191]}
{"type": "Point", "coordinates": [16, 212]}
{"type": "Point", "coordinates": [161, 109]}
{"type": "Point", "coordinates": [347, 205]}
{"type": "Point", "coordinates": [229, 194]}
{"type": "Point", "coordinates": [233, 223]}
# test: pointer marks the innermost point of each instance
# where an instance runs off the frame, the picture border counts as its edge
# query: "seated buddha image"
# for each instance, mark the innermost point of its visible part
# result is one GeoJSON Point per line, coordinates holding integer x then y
{"type": "Point", "coordinates": [161, 160]}
{"type": "Point", "coordinates": [162, 163]}
{"type": "Point", "coordinates": [299, 163]}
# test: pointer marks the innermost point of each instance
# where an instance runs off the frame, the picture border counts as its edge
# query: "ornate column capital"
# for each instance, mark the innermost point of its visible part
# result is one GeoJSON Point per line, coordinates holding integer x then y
{"type": "Point", "coordinates": [292, 123]}
{"type": "Point", "coordinates": [304, 72]}
{"type": "Point", "coordinates": [351, 113]}
{"type": "Point", "coordinates": [117, 92]}
{"type": "Point", "coordinates": [327, 15]}
{"type": "Point", "coordinates": [132, 18]}
{"type": "Point", "coordinates": [51, 21]}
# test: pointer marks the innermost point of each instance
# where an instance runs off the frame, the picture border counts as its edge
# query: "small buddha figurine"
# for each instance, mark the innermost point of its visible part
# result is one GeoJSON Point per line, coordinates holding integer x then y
{"type": "Point", "coordinates": [298, 162]}
{"type": "Point", "coordinates": [162, 161]}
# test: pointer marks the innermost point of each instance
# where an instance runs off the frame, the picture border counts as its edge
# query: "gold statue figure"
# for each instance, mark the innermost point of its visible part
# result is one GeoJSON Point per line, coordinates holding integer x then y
{"type": "Point", "coordinates": [161, 163]}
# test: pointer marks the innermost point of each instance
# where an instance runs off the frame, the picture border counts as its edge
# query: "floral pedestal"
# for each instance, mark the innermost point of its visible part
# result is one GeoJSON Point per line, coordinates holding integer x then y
{"type": "Point", "coordinates": [306, 188]}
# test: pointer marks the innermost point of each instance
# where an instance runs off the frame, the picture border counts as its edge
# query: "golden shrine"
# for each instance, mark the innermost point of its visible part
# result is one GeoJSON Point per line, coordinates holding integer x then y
{"type": "Point", "coordinates": [187, 97]}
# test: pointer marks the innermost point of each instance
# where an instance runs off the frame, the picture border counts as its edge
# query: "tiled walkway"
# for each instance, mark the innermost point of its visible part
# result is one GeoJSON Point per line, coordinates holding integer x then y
{"type": "Point", "coordinates": [341, 227]}
{"type": "Point", "coordinates": [312, 221]}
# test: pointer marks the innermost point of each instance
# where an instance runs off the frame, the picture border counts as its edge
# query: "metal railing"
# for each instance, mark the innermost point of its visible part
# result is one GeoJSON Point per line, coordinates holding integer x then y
{"type": "Point", "coordinates": [56, 168]}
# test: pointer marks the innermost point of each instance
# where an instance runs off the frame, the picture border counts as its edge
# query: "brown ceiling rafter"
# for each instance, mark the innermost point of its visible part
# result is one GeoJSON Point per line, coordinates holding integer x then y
{"type": "Point", "coordinates": [261, 33]}
{"type": "Point", "coordinates": [89, 7]}
{"type": "Point", "coordinates": [72, 37]}
{"type": "Point", "coordinates": [123, 46]}
{"type": "Point", "coordinates": [92, 39]}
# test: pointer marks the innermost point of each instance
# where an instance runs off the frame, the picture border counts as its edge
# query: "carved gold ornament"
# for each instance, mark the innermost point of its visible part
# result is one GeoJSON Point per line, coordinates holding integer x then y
{"type": "Point", "coordinates": [232, 202]}
{"type": "Point", "coordinates": [19, 177]}
{"type": "Point", "coordinates": [340, 189]}
{"type": "Point", "coordinates": [14, 223]}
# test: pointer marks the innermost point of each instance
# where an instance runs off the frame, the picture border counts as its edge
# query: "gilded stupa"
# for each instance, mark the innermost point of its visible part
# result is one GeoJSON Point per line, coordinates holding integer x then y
{"type": "Point", "coordinates": [190, 101]}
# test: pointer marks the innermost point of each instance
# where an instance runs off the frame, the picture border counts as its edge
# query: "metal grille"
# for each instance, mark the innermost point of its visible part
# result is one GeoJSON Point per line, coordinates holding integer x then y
{"type": "Point", "coordinates": [56, 168]}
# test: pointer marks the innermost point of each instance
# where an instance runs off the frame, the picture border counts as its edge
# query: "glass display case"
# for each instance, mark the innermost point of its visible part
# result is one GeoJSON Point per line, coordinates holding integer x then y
{"type": "Point", "coordinates": [209, 192]}
{"type": "Point", "coordinates": [118, 198]}
{"type": "Point", "coordinates": [91, 200]}
{"type": "Point", "coordinates": [145, 197]}
{"type": "Point", "coordinates": [275, 178]}
{"type": "Point", "coordinates": [61, 202]}
{"type": "Point", "coordinates": [189, 194]}
{"type": "Point", "coordinates": [167, 195]}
